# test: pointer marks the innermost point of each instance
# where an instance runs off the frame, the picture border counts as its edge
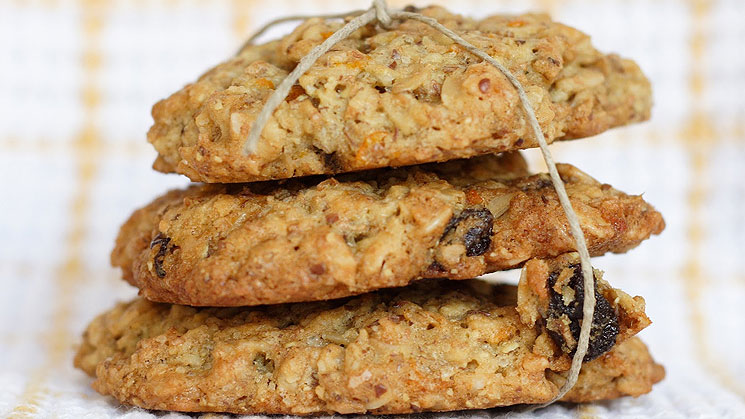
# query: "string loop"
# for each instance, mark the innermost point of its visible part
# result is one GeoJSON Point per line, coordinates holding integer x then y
{"type": "Point", "coordinates": [379, 12]}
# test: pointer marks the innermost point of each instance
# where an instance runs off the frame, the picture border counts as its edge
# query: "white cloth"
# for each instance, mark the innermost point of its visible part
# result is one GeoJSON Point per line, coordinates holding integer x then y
{"type": "Point", "coordinates": [77, 80]}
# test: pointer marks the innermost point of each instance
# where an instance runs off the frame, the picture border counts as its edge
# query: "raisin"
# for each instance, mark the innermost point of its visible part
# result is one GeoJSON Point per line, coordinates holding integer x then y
{"type": "Point", "coordinates": [331, 160]}
{"type": "Point", "coordinates": [605, 328]}
{"type": "Point", "coordinates": [472, 227]}
{"type": "Point", "coordinates": [162, 241]}
{"type": "Point", "coordinates": [295, 91]}
{"type": "Point", "coordinates": [434, 270]}
{"type": "Point", "coordinates": [539, 182]}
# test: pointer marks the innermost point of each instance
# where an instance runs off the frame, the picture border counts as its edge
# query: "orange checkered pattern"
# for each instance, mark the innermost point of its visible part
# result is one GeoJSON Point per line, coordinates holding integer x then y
{"type": "Point", "coordinates": [78, 78]}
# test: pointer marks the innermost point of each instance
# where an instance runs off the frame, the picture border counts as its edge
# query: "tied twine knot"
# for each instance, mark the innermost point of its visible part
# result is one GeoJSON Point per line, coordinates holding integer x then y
{"type": "Point", "coordinates": [385, 17]}
{"type": "Point", "coordinates": [381, 13]}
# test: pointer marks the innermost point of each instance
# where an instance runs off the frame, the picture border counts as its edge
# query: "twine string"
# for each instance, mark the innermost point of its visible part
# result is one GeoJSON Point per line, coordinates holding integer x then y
{"type": "Point", "coordinates": [293, 18]}
{"type": "Point", "coordinates": [379, 12]}
{"type": "Point", "coordinates": [281, 92]}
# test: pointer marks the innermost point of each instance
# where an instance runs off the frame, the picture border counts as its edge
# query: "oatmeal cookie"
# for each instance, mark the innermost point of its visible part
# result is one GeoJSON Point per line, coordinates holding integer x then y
{"type": "Point", "coordinates": [314, 239]}
{"type": "Point", "coordinates": [394, 97]}
{"type": "Point", "coordinates": [432, 346]}
{"type": "Point", "coordinates": [551, 294]}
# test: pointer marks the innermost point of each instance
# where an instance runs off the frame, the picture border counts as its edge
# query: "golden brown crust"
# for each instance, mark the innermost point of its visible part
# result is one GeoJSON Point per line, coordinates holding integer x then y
{"type": "Point", "coordinates": [395, 97]}
{"type": "Point", "coordinates": [627, 370]}
{"type": "Point", "coordinates": [435, 345]}
{"type": "Point", "coordinates": [306, 240]}
{"type": "Point", "coordinates": [551, 295]}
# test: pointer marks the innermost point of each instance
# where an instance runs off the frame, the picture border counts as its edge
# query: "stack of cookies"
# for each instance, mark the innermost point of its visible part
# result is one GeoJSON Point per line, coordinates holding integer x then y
{"type": "Point", "coordinates": [328, 271]}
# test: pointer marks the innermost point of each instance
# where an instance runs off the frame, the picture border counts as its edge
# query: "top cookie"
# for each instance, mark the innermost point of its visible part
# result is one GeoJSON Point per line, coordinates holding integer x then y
{"type": "Point", "coordinates": [394, 97]}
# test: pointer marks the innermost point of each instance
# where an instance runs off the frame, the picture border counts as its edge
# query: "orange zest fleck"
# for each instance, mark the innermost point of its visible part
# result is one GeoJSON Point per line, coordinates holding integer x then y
{"type": "Point", "coordinates": [473, 197]}
{"type": "Point", "coordinates": [266, 83]}
{"type": "Point", "coordinates": [455, 48]}
{"type": "Point", "coordinates": [517, 23]}
{"type": "Point", "coordinates": [370, 141]}
{"type": "Point", "coordinates": [354, 64]}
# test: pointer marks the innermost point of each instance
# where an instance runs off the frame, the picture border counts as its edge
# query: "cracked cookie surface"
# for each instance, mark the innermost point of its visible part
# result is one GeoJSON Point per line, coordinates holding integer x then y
{"type": "Point", "coordinates": [314, 239]}
{"type": "Point", "coordinates": [432, 346]}
{"type": "Point", "coordinates": [394, 97]}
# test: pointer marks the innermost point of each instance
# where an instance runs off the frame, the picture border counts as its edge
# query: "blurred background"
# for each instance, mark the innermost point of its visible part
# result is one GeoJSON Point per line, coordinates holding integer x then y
{"type": "Point", "coordinates": [78, 79]}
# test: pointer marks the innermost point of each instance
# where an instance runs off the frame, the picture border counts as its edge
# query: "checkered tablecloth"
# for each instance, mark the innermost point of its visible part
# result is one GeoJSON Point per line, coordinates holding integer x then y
{"type": "Point", "coordinates": [77, 80]}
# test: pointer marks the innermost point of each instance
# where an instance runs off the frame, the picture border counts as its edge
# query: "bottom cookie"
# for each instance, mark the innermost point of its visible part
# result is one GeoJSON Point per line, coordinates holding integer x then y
{"type": "Point", "coordinates": [431, 346]}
